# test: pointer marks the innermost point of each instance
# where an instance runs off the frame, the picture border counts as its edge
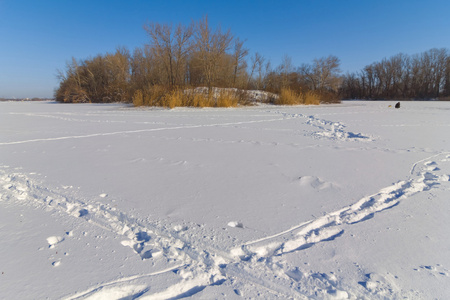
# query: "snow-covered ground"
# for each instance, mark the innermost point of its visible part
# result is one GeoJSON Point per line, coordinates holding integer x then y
{"type": "Point", "coordinates": [343, 201]}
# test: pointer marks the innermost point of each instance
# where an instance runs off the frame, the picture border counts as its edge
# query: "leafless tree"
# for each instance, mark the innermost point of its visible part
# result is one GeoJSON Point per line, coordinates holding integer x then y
{"type": "Point", "coordinates": [171, 48]}
{"type": "Point", "coordinates": [239, 55]}
{"type": "Point", "coordinates": [210, 46]}
{"type": "Point", "coordinates": [420, 76]}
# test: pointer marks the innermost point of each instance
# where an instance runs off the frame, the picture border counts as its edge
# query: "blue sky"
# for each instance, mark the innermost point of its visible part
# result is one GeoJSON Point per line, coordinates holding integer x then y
{"type": "Point", "coordinates": [39, 37]}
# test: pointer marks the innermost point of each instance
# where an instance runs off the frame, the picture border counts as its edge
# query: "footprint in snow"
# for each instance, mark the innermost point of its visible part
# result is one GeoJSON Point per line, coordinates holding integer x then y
{"type": "Point", "coordinates": [179, 228]}
{"type": "Point", "coordinates": [434, 270]}
{"type": "Point", "coordinates": [82, 212]}
{"type": "Point", "coordinates": [315, 183]}
{"type": "Point", "coordinates": [377, 284]}
{"type": "Point", "coordinates": [56, 263]}
{"type": "Point", "coordinates": [235, 224]}
{"type": "Point", "coordinates": [54, 240]}
{"type": "Point", "coordinates": [431, 166]}
{"type": "Point", "coordinates": [142, 236]}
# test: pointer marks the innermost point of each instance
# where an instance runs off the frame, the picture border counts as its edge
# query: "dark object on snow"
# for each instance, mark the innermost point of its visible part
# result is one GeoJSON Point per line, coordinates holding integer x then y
{"type": "Point", "coordinates": [397, 105]}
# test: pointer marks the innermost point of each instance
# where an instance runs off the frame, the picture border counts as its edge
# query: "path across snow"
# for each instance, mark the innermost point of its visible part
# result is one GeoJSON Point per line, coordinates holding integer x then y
{"type": "Point", "coordinates": [235, 201]}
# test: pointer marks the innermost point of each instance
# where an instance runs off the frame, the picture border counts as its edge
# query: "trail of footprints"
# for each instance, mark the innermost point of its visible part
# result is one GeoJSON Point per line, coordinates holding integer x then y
{"type": "Point", "coordinates": [18, 187]}
{"type": "Point", "coordinates": [258, 261]}
{"type": "Point", "coordinates": [328, 129]}
{"type": "Point", "coordinates": [437, 270]}
{"type": "Point", "coordinates": [329, 226]}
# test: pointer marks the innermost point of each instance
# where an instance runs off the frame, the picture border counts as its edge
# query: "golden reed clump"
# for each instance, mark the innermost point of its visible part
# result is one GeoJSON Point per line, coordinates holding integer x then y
{"type": "Point", "coordinates": [290, 97]}
{"type": "Point", "coordinates": [158, 96]}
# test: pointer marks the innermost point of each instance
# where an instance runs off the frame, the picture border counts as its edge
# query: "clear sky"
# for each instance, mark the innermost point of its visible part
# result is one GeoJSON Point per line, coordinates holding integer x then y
{"type": "Point", "coordinates": [39, 37]}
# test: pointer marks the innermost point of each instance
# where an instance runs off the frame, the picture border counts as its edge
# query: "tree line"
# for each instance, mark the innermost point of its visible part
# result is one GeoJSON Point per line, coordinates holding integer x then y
{"type": "Point", "coordinates": [177, 60]}
{"type": "Point", "coordinates": [420, 76]}
{"type": "Point", "coordinates": [183, 57]}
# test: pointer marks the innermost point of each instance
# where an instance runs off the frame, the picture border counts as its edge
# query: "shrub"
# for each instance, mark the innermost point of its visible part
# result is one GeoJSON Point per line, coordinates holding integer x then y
{"type": "Point", "coordinates": [203, 100]}
{"type": "Point", "coordinates": [288, 97]}
{"type": "Point", "coordinates": [154, 95]}
{"type": "Point", "coordinates": [138, 98]}
{"type": "Point", "coordinates": [174, 98]}
{"type": "Point", "coordinates": [158, 95]}
{"type": "Point", "coordinates": [291, 97]}
{"type": "Point", "coordinates": [227, 99]}
{"type": "Point", "coordinates": [197, 98]}
{"type": "Point", "coordinates": [311, 98]}
{"type": "Point", "coordinates": [329, 97]}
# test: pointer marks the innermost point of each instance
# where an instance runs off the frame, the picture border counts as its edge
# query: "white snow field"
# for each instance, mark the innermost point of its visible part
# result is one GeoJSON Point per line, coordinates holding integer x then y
{"type": "Point", "coordinates": [342, 201]}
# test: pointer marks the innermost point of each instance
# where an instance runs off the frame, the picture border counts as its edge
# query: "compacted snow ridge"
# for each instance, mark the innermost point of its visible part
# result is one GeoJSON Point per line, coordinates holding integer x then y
{"type": "Point", "coordinates": [329, 226]}
{"type": "Point", "coordinates": [328, 129]}
{"type": "Point", "coordinates": [203, 268]}
{"type": "Point", "coordinates": [225, 203]}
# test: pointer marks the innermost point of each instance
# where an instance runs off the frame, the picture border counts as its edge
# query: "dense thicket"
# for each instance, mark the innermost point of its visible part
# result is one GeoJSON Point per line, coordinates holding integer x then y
{"type": "Point", "coordinates": [421, 76]}
{"type": "Point", "coordinates": [179, 58]}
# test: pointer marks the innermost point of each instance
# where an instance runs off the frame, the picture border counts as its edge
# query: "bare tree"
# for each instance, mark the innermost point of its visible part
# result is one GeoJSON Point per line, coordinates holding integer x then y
{"type": "Point", "coordinates": [420, 76]}
{"type": "Point", "coordinates": [210, 46]}
{"type": "Point", "coordinates": [285, 69]}
{"type": "Point", "coordinates": [238, 59]}
{"type": "Point", "coordinates": [171, 48]}
{"type": "Point", "coordinates": [183, 47]}
{"type": "Point", "coordinates": [446, 92]}
{"type": "Point", "coordinates": [258, 71]}
{"type": "Point", "coordinates": [326, 72]}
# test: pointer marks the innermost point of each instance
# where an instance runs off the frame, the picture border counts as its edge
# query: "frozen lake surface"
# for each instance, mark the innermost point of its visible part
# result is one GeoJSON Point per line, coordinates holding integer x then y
{"type": "Point", "coordinates": [343, 201]}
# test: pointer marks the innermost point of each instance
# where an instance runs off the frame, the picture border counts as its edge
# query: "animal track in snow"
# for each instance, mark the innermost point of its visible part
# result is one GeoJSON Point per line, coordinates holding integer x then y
{"type": "Point", "coordinates": [379, 285]}
{"type": "Point", "coordinates": [144, 241]}
{"type": "Point", "coordinates": [56, 263]}
{"type": "Point", "coordinates": [256, 261]}
{"type": "Point", "coordinates": [149, 241]}
{"type": "Point", "coordinates": [329, 129]}
{"type": "Point", "coordinates": [437, 270]}
{"type": "Point", "coordinates": [54, 240]}
{"type": "Point", "coordinates": [235, 224]}
{"type": "Point", "coordinates": [329, 226]}
{"type": "Point", "coordinates": [315, 183]}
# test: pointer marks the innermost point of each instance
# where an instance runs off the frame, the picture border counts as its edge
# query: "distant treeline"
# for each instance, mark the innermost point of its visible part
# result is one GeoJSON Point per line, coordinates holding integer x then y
{"type": "Point", "coordinates": [25, 99]}
{"type": "Point", "coordinates": [180, 58]}
{"type": "Point", "coordinates": [420, 76]}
